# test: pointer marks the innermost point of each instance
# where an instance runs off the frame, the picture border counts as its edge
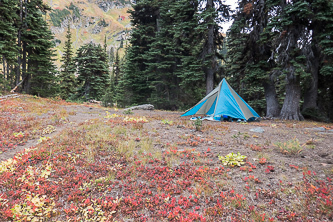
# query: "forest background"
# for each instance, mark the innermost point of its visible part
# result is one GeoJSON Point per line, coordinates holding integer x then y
{"type": "Point", "coordinates": [277, 54]}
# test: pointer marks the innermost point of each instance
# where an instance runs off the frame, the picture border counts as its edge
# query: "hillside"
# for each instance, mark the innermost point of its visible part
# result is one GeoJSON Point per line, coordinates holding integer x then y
{"type": "Point", "coordinates": [90, 21]}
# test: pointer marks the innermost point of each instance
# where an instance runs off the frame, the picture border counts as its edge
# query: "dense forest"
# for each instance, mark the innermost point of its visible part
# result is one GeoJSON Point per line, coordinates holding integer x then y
{"type": "Point", "coordinates": [278, 55]}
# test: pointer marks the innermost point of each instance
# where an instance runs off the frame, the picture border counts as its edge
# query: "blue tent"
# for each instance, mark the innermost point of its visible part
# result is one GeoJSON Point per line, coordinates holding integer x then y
{"type": "Point", "coordinates": [223, 101]}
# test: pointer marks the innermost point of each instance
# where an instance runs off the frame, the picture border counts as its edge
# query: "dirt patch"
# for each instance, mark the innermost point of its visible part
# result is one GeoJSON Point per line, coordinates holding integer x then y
{"type": "Point", "coordinates": [79, 114]}
{"type": "Point", "coordinates": [222, 138]}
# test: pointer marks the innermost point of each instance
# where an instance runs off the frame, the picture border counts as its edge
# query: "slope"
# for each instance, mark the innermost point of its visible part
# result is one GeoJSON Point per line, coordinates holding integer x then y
{"type": "Point", "coordinates": [90, 21]}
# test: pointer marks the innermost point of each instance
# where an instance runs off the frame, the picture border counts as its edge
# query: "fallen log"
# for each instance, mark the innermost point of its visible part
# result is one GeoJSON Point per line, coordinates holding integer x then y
{"type": "Point", "coordinates": [8, 96]}
{"type": "Point", "coordinates": [13, 90]}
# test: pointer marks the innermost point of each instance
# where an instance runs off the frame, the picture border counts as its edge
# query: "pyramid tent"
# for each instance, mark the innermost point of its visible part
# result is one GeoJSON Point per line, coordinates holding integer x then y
{"type": "Point", "coordinates": [223, 101]}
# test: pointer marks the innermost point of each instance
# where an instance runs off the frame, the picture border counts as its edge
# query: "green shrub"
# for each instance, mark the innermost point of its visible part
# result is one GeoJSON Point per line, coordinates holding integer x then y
{"type": "Point", "coordinates": [198, 124]}
{"type": "Point", "coordinates": [291, 147]}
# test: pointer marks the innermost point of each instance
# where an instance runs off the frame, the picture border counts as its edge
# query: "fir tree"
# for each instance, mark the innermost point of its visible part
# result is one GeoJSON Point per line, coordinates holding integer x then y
{"type": "Point", "coordinates": [105, 46]}
{"type": "Point", "coordinates": [67, 74]}
{"type": "Point", "coordinates": [290, 27]}
{"type": "Point", "coordinates": [93, 72]}
{"type": "Point", "coordinates": [249, 57]}
{"type": "Point", "coordinates": [112, 94]}
{"type": "Point", "coordinates": [280, 45]}
{"type": "Point", "coordinates": [322, 26]}
{"type": "Point", "coordinates": [111, 57]}
{"type": "Point", "coordinates": [167, 55]}
{"type": "Point", "coordinates": [136, 80]}
{"type": "Point", "coordinates": [162, 59]}
{"type": "Point", "coordinates": [40, 76]}
{"type": "Point", "coordinates": [213, 13]}
{"type": "Point", "coordinates": [8, 31]}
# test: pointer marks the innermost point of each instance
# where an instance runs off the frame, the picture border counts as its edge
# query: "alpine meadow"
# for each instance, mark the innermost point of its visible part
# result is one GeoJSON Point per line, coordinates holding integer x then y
{"type": "Point", "coordinates": [153, 110]}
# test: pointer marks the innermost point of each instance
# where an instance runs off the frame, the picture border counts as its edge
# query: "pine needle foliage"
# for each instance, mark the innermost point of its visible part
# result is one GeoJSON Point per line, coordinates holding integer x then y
{"type": "Point", "coordinates": [93, 76]}
{"type": "Point", "coordinates": [67, 74]}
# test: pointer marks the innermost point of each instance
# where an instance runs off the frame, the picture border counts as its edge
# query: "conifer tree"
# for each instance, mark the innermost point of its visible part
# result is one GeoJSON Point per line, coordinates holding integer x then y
{"type": "Point", "coordinates": [105, 46]}
{"type": "Point", "coordinates": [67, 74]}
{"type": "Point", "coordinates": [93, 76]}
{"type": "Point", "coordinates": [136, 80]}
{"type": "Point", "coordinates": [249, 57]}
{"type": "Point", "coordinates": [322, 45]}
{"type": "Point", "coordinates": [40, 78]}
{"type": "Point", "coordinates": [112, 93]}
{"type": "Point", "coordinates": [162, 59]}
{"type": "Point", "coordinates": [118, 83]}
{"type": "Point", "coordinates": [213, 13]}
{"type": "Point", "coordinates": [8, 31]}
{"type": "Point", "coordinates": [282, 42]}
{"type": "Point", "coordinates": [291, 35]}
{"type": "Point", "coordinates": [168, 55]}
{"type": "Point", "coordinates": [111, 57]}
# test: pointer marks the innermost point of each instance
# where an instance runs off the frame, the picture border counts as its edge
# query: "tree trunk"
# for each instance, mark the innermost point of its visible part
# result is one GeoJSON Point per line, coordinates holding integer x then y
{"type": "Point", "coordinates": [18, 73]}
{"type": "Point", "coordinates": [290, 109]}
{"type": "Point", "coordinates": [9, 77]}
{"type": "Point", "coordinates": [24, 62]}
{"type": "Point", "coordinates": [210, 51]}
{"type": "Point", "coordinates": [311, 93]}
{"type": "Point", "coordinates": [9, 69]}
{"type": "Point", "coordinates": [27, 81]}
{"type": "Point", "coordinates": [330, 110]}
{"type": "Point", "coordinates": [4, 66]}
{"type": "Point", "coordinates": [273, 108]}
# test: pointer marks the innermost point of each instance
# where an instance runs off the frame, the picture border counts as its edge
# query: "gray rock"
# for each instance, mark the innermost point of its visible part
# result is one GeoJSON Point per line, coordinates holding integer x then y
{"type": "Point", "coordinates": [257, 130]}
{"type": "Point", "coordinates": [322, 129]}
{"type": "Point", "coordinates": [143, 107]}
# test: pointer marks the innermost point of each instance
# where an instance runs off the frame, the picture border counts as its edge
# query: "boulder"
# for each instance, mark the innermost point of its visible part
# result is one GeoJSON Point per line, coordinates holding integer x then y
{"type": "Point", "coordinates": [143, 107]}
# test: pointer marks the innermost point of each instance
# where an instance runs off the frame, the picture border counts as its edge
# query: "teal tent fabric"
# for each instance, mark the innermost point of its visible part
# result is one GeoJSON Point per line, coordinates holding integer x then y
{"type": "Point", "coordinates": [195, 109]}
{"type": "Point", "coordinates": [223, 101]}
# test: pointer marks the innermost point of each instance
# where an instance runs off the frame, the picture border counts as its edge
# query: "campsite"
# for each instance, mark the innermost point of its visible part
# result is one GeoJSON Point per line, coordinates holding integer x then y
{"type": "Point", "coordinates": [166, 110]}
{"type": "Point", "coordinates": [81, 162]}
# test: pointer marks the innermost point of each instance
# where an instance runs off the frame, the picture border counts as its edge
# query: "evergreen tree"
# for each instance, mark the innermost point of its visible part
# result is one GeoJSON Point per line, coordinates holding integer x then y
{"type": "Point", "coordinates": [118, 83]}
{"type": "Point", "coordinates": [105, 46]}
{"type": "Point", "coordinates": [322, 53]}
{"type": "Point", "coordinates": [213, 13]}
{"type": "Point", "coordinates": [136, 80]}
{"type": "Point", "coordinates": [168, 55]}
{"type": "Point", "coordinates": [40, 76]}
{"type": "Point", "coordinates": [8, 31]}
{"type": "Point", "coordinates": [112, 93]}
{"type": "Point", "coordinates": [249, 57]}
{"type": "Point", "coordinates": [161, 60]}
{"type": "Point", "coordinates": [116, 69]}
{"type": "Point", "coordinates": [93, 72]}
{"type": "Point", "coordinates": [279, 45]}
{"type": "Point", "coordinates": [189, 45]}
{"type": "Point", "coordinates": [67, 74]}
{"type": "Point", "coordinates": [290, 26]}
{"type": "Point", "coordinates": [111, 57]}
{"type": "Point", "coordinates": [318, 53]}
